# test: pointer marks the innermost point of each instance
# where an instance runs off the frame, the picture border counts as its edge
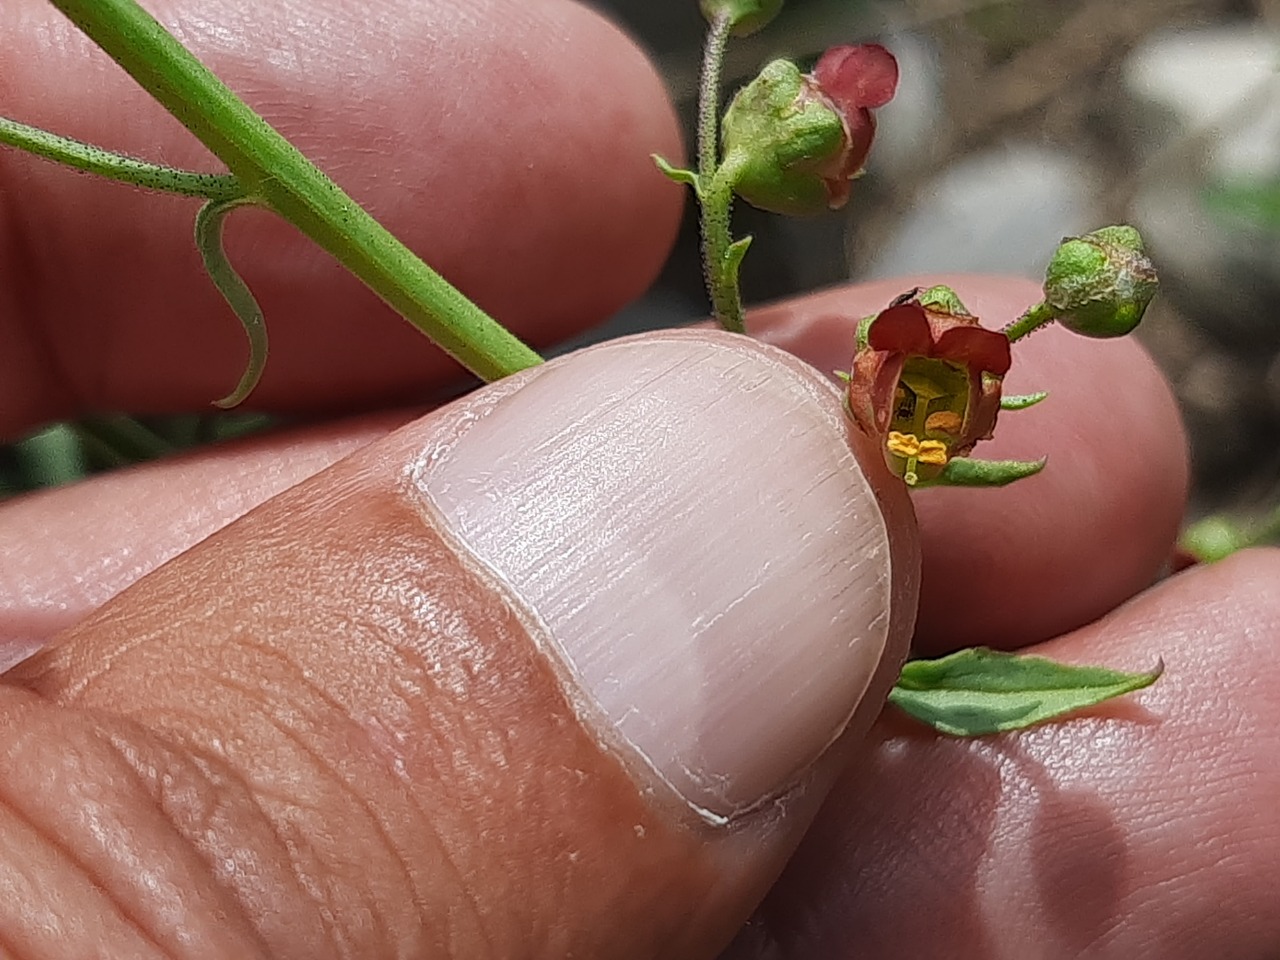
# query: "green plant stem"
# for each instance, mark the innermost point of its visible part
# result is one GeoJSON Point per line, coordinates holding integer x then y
{"type": "Point", "coordinates": [115, 166]}
{"type": "Point", "coordinates": [721, 256]}
{"type": "Point", "coordinates": [1036, 317]}
{"type": "Point", "coordinates": [715, 194]}
{"type": "Point", "coordinates": [278, 176]}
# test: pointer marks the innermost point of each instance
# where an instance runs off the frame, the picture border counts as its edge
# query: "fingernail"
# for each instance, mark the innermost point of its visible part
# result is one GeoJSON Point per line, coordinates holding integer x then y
{"type": "Point", "coordinates": [681, 518]}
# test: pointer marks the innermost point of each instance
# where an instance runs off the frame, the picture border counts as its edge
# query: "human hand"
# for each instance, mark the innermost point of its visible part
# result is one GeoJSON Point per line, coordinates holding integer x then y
{"type": "Point", "coordinates": [317, 731]}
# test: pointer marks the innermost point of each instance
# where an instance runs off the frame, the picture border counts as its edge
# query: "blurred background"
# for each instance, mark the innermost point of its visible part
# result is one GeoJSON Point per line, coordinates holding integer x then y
{"type": "Point", "coordinates": [1017, 122]}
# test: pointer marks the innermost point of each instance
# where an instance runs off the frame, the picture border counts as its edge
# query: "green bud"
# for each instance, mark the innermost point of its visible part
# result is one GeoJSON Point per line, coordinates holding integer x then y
{"type": "Point", "coordinates": [1099, 285]}
{"type": "Point", "coordinates": [747, 16]}
{"type": "Point", "coordinates": [779, 142]}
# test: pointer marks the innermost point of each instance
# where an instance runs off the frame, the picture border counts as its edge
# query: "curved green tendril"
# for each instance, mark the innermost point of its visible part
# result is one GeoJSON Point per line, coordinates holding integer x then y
{"type": "Point", "coordinates": [117, 166]}
{"type": "Point", "coordinates": [209, 223]}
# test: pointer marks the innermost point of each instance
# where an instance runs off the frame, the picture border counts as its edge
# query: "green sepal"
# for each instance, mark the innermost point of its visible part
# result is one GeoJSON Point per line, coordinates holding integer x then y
{"type": "Point", "coordinates": [863, 334]}
{"type": "Point", "coordinates": [842, 375]}
{"type": "Point", "coordinates": [943, 299]}
{"type": "Point", "coordinates": [679, 174]}
{"type": "Point", "coordinates": [778, 139]}
{"type": "Point", "coordinates": [968, 472]}
{"type": "Point", "coordinates": [979, 691]}
{"type": "Point", "coordinates": [1023, 401]}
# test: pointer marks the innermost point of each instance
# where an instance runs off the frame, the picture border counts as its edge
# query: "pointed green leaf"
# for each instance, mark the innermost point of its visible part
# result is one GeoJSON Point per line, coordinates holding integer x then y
{"type": "Point", "coordinates": [1023, 401]}
{"type": "Point", "coordinates": [980, 691]}
{"type": "Point", "coordinates": [733, 256]}
{"type": "Point", "coordinates": [679, 174]}
{"type": "Point", "coordinates": [967, 472]}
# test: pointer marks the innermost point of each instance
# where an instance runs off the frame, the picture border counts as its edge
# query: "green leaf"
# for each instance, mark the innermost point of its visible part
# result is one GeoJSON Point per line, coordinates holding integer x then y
{"type": "Point", "coordinates": [679, 174]}
{"type": "Point", "coordinates": [1022, 401]}
{"type": "Point", "coordinates": [1255, 201]}
{"type": "Point", "coordinates": [967, 472]}
{"type": "Point", "coordinates": [733, 257]}
{"type": "Point", "coordinates": [979, 691]}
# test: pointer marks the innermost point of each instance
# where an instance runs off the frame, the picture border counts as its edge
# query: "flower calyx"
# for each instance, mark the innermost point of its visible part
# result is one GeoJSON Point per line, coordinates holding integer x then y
{"type": "Point", "coordinates": [926, 380]}
{"type": "Point", "coordinates": [792, 142]}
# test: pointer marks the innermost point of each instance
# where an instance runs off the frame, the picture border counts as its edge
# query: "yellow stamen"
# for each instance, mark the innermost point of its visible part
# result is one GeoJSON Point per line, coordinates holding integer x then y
{"type": "Point", "coordinates": [933, 452]}
{"type": "Point", "coordinates": [903, 444]}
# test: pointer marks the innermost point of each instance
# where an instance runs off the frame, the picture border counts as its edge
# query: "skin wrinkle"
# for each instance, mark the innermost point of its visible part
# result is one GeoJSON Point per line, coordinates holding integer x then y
{"type": "Point", "coordinates": [69, 855]}
{"type": "Point", "coordinates": [183, 871]}
{"type": "Point", "coordinates": [124, 259]}
{"type": "Point", "coordinates": [328, 771]}
{"type": "Point", "coordinates": [215, 773]}
{"type": "Point", "coordinates": [374, 524]}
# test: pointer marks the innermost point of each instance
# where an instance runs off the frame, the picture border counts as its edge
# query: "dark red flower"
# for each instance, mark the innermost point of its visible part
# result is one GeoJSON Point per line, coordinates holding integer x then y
{"type": "Point", "coordinates": [927, 379]}
{"type": "Point", "coordinates": [853, 80]}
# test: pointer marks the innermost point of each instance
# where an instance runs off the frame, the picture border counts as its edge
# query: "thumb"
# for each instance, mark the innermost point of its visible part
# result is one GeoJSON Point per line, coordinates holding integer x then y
{"type": "Point", "coordinates": [563, 669]}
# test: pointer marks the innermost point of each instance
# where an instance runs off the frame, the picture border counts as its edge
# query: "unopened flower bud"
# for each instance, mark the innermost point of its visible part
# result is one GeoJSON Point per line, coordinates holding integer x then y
{"type": "Point", "coordinates": [747, 16]}
{"type": "Point", "coordinates": [794, 140]}
{"type": "Point", "coordinates": [1099, 285]}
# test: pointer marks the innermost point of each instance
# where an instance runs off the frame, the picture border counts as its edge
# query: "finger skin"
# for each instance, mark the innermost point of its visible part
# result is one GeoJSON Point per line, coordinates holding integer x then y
{"type": "Point", "coordinates": [1146, 830]}
{"type": "Point", "coordinates": [1020, 564]}
{"type": "Point", "coordinates": [66, 551]}
{"type": "Point", "coordinates": [507, 142]}
{"type": "Point", "coordinates": [1101, 519]}
{"type": "Point", "coordinates": [346, 731]}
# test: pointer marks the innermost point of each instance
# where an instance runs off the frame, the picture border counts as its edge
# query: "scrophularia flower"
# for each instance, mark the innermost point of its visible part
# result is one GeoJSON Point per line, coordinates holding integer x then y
{"type": "Point", "coordinates": [926, 380]}
{"type": "Point", "coordinates": [794, 141]}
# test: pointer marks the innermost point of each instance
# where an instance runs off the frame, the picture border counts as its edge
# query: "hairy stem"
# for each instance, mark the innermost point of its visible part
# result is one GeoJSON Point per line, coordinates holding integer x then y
{"type": "Point", "coordinates": [276, 175]}
{"type": "Point", "coordinates": [721, 256]}
{"type": "Point", "coordinates": [116, 166]}
{"type": "Point", "coordinates": [1036, 317]}
{"type": "Point", "coordinates": [716, 193]}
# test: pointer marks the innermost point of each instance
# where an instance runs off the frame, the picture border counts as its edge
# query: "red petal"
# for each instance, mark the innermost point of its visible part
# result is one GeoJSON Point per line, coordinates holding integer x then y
{"type": "Point", "coordinates": [858, 76]}
{"type": "Point", "coordinates": [902, 329]}
{"type": "Point", "coordinates": [872, 384]}
{"type": "Point", "coordinates": [975, 348]}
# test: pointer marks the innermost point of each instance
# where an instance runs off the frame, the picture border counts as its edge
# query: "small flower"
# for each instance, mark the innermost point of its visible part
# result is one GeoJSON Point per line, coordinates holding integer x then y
{"type": "Point", "coordinates": [794, 141]}
{"type": "Point", "coordinates": [927, 378]}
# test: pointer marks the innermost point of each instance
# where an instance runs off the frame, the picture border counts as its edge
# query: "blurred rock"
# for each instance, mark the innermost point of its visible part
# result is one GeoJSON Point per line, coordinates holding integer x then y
{"type": "Point", "coordinates": [1000, 211]}
{"type": "Point", "coordinates": [1215, 83]}
{"type": "Point", "coordinates": [1205, 106]}
{"type": "Point", "coordinates": [909, 126]}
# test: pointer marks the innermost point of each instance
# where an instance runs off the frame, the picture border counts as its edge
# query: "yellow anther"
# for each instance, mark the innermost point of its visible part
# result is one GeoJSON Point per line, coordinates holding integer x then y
{"type": "Point", "coordinates": [933, 452]}
{"type": "Point", "coordinates": [903, 444]}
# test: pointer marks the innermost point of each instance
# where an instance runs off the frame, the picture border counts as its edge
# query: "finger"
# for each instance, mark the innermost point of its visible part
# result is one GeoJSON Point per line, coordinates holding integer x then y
{"type": "Point", "coordinates": [1100, 520]}
{"type": "Point", "coordinates": [1023, 563]}
{"type": "Point", "coordinates": [1146, 831]}
{"type": "Point", "coordinates": [547, 673]}
{"type": "Point", "coordinates": [57, 568]}
{"type": "Point", "coordinates": [505, 141]}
